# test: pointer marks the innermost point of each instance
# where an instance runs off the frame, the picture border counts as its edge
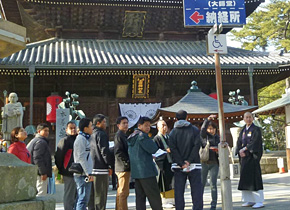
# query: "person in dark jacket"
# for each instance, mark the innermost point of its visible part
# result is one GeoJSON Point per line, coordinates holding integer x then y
{"type": "Point", "coordinates": [40, 156]}
{"type": "Point", "coordinates": [250, 151]}
{"type": "Point", "coordinates": [63, 160]}
{"type": "Point", "coordinates": [164, 164]}
{"type": "Point", "coordinates": [102, 159]}
{"type": "Point", "coordinates": [184, 141]}
{"type": "Point", "coordinates": [122, 163]}
{"type": "Point", "coordinates": [209, 136]}
{"type": "Point", "coordinates": [143, 169]}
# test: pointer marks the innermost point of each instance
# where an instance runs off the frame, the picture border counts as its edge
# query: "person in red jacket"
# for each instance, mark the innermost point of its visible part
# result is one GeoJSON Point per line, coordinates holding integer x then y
{"type": "Point", "coordinates": [18, 147]}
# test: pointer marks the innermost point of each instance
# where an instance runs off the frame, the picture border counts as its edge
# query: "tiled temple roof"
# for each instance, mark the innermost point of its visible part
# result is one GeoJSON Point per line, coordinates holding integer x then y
{"type": "Point", "coordinates": [198, 106]}
{"type": "Point", "coordinates": [97, 54]}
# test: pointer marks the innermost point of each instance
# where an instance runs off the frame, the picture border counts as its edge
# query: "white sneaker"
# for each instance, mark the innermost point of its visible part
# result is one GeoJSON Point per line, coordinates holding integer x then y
{"type": "Point", "coordinates": [168, 206]}
{"type": "Point", "coordinates": [258, 205]}
{"type": "Point", "coordinates": [248, 204]}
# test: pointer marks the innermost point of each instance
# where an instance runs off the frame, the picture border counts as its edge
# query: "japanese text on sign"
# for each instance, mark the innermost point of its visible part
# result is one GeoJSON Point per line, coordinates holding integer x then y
{"type": "Point", "coordinates": [140, 87]}
{"type": "Point", "coordinates": [210, 12]}
{"type": "Point", "coordinates": [62, 118]}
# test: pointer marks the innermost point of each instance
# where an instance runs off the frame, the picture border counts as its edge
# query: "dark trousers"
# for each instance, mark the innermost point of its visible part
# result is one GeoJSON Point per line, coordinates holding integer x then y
{"type": "Point", "coordinates": [147, 187]}
{"type": "Point", "coordinates": [114, 179]}
{"type": "Point", "coordinates": [196, 189]}
{"type": "Point", "coordinates": [98, 198]}
{"type": "Point", "coordinates": [69, 192]}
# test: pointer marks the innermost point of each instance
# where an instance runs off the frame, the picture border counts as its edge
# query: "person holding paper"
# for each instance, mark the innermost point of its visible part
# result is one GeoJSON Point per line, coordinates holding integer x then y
{"type": "Point", "coordinates": [143, 169]}
{"type": "Point", "coordinates": [164, 164]}
{"type": "Point", "coordinates": [184, 143]}
{"type": "Point", "coordinates": [209, 134]}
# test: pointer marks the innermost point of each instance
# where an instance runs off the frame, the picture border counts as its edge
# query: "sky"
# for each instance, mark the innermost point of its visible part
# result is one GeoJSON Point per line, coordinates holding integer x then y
{"type": "Point", "coordinates": [236, 44]}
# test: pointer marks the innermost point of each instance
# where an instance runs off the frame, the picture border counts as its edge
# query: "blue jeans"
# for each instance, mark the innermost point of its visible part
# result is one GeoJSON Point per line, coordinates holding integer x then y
{"type": "Point", "coordinates": [196, 189]}
{"type": "Point", "coordinates": [213, 170]}
{"type": "Point", "coordinates": [84, 191]}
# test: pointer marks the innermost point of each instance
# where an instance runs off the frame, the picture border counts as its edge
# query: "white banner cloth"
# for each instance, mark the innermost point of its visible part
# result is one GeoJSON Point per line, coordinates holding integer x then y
{"type": "Point", "coordinates": [134, 111]}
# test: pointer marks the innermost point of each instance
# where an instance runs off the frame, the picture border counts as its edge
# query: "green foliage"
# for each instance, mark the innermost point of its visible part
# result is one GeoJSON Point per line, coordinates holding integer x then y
{"type": "Point", "coordinates": [268, 26]}
{"type": "Point", "coordinates": [273, 126]}
{"type": "Point", "coordinates": [271, 93]}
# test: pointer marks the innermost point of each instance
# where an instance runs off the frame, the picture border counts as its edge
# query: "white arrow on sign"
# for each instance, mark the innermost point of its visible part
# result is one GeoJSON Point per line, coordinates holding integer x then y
{"type": "Point", "coordinates": [216, 43]}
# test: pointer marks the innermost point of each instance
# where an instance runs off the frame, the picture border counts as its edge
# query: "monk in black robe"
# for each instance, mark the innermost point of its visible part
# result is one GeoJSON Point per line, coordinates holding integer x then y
{"type": "Point", "coordinates": [250, 150]}
{"type": "Point", "coordinates": [164, 164]}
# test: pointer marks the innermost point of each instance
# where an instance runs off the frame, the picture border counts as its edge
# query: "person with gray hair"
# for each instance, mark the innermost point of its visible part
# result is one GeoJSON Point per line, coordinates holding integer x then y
{"type": "Point", "coordinates": [250, 151]}
{"type": "Point", "coordinates": [164, 164]}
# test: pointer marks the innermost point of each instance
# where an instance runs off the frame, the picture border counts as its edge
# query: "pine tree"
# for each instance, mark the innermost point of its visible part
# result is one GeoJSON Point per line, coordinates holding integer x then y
{"type": "Point", "coordinates": [270, 25]}
{"type": "Point", "coordinates": [273, 126]}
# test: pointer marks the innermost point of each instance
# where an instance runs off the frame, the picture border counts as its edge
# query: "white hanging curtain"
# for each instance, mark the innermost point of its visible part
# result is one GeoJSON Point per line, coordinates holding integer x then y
{"type": "Point", "coordinates": [134, 111]}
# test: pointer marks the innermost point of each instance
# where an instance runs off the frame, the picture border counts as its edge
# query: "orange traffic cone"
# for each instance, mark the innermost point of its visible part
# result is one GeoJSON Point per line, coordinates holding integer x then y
{"type": "Point", "coordinates": [282, 170]}
{"type": "Point", "coordinates": [280, 163]}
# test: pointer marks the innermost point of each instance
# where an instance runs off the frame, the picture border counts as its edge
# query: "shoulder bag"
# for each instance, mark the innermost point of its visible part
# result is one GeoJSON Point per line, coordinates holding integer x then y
{"type": "Point", "coordinates": [204, 153]}
{"type": "Point", "coordinates": [76, 168]}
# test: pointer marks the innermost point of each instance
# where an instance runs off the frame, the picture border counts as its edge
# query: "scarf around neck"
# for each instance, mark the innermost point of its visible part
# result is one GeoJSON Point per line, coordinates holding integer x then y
{"type": "Point", "coordinates": [87, 136]}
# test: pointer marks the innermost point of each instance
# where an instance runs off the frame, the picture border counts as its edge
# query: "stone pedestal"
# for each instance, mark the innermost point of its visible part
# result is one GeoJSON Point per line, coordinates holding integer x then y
{"type": "Point", "coordinates": [18, 186]}
{"type": "Point", "coordinates": [43, 203]}
{"type": "Point", "coordinates": [18, 179]}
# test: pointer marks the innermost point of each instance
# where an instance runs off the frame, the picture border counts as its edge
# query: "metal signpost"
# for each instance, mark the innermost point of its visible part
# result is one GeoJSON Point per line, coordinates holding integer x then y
{"type": "Point", "coordinates": [227, 13]}
{"type": "Point", "coordinates": [217, 46]}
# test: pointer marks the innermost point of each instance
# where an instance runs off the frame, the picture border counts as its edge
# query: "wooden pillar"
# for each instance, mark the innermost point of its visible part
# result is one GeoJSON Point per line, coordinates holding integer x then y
{"type": "Point", "coordinates": [31, 74]}
{"type": "Point", "coordinates": [251, 71]}
{"type": "Point", "coordinates": [226, 187]}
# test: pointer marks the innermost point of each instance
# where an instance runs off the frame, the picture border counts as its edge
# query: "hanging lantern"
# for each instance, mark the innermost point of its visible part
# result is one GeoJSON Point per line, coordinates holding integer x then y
{"type": "Point", "coordinates": [51, 106]}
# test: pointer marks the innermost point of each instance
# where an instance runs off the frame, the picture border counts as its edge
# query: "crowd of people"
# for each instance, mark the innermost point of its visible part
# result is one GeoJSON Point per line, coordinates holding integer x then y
{"type": "Point", "coordinates": [160, 166]}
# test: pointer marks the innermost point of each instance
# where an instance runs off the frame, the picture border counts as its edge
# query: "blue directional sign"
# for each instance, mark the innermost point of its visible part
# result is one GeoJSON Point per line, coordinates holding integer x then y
{"type": "Point", "coordinates": [210, 12]}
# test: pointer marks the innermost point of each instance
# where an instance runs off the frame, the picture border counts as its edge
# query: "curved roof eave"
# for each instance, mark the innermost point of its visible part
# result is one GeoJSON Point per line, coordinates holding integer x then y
{"type": "Point", "coordinates": [130, 54]}
{"type": "Point", "coordinates": [274, 106]}
{"type": "Point", "coordinates": [200, 105]}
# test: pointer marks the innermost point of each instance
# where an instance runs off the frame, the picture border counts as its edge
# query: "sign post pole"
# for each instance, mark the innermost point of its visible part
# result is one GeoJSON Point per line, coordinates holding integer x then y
{"type": "Point", "coordinates": [228, 14]}
{"type": "Point", "coordinates": [226, 187]}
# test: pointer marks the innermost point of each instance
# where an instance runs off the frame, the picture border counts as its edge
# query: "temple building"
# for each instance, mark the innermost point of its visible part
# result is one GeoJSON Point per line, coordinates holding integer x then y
{"type": "Point", "coordinates": [113, 52]}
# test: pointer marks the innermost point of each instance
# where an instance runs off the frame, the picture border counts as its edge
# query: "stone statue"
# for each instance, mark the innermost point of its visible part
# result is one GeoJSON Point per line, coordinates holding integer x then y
{"type": "Point", "coordinates": [12, 116]}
